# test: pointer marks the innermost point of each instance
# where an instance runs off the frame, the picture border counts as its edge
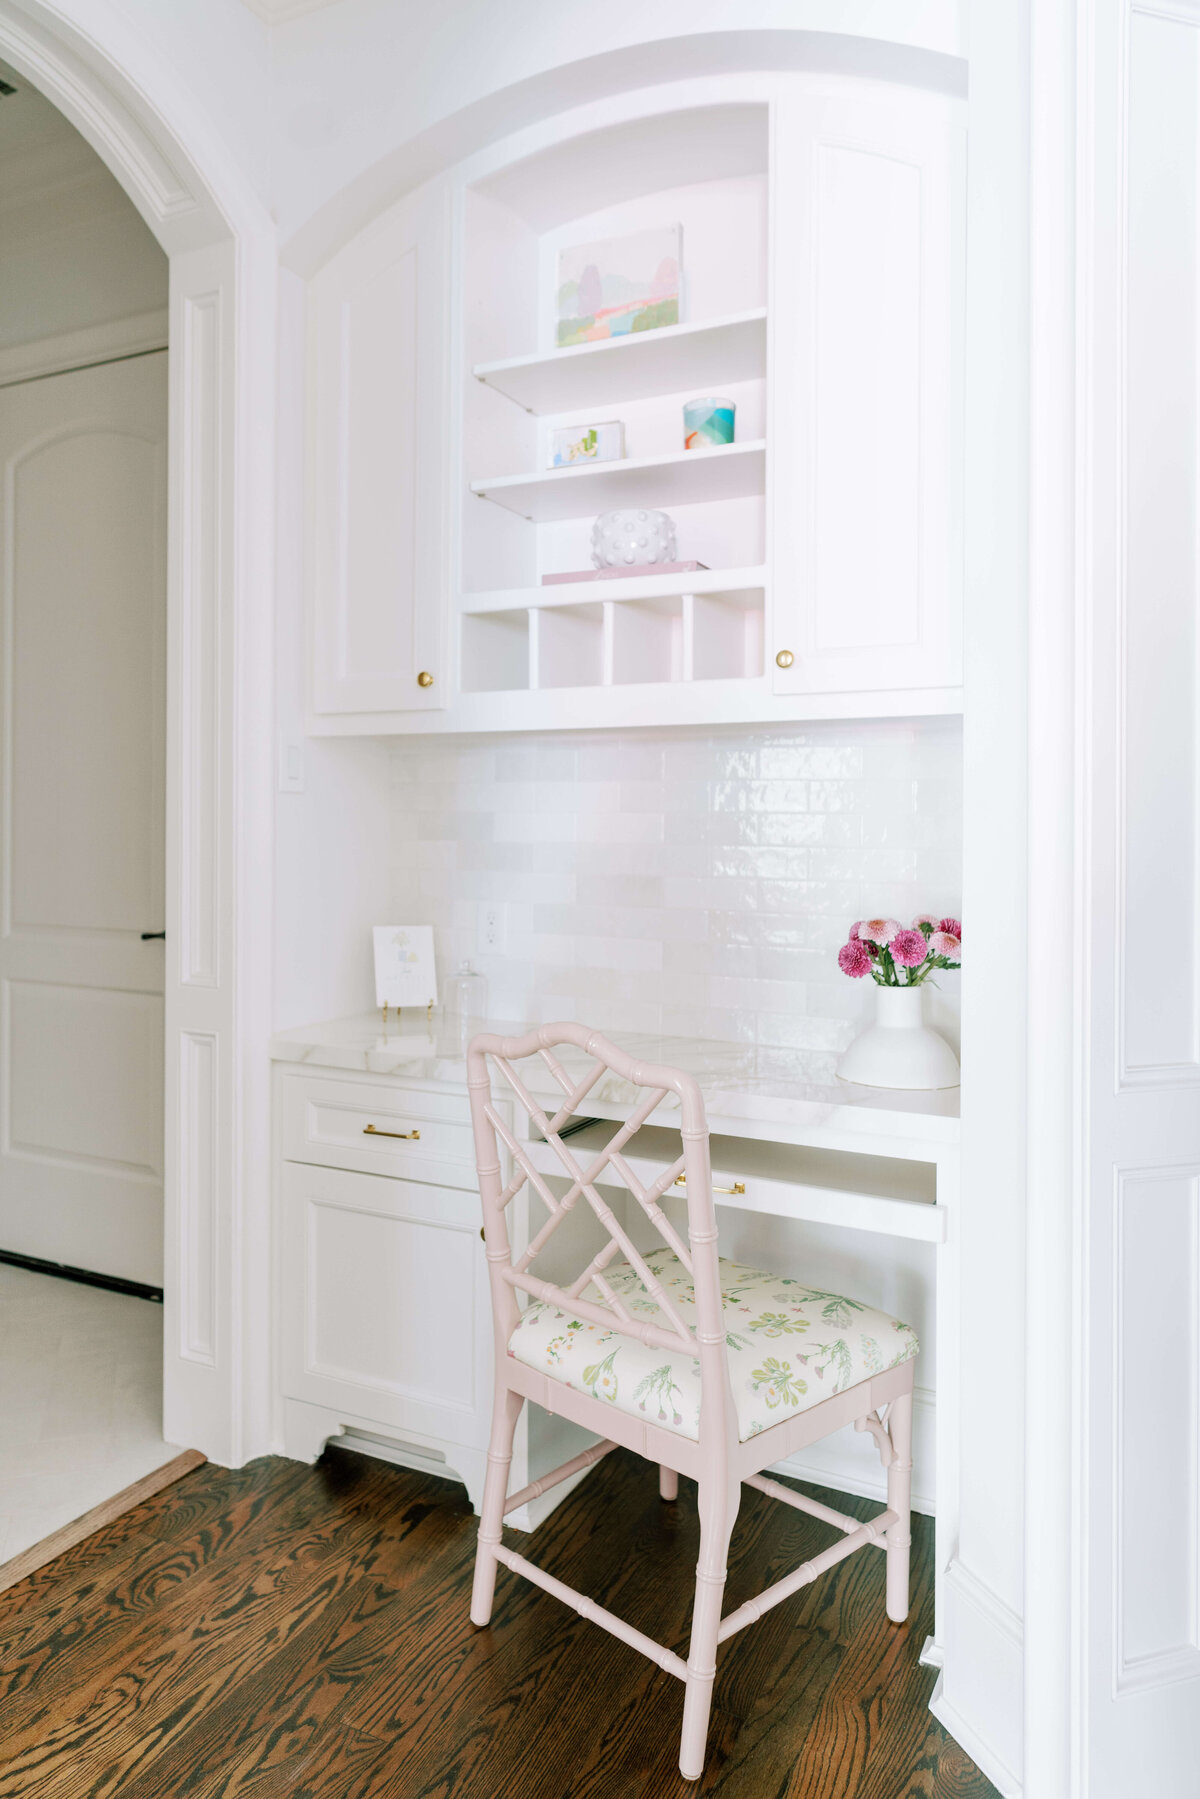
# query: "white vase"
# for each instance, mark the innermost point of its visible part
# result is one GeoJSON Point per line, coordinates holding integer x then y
{"type": "Point", "coordinates": [900, 1049]}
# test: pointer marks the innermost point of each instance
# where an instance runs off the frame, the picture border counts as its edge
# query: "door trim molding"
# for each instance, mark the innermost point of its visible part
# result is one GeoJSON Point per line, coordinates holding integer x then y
{"type": "Point", "coordinates": [118, 91]}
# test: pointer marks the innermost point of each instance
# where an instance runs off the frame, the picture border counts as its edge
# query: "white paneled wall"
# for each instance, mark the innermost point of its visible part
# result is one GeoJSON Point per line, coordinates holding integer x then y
{"type": "Point", "coordinates": [694, 881]}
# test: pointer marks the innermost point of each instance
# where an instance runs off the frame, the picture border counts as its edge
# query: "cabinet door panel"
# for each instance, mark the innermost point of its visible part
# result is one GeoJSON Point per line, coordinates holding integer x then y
{"type": "Point", "coordinates": [385, 1301]}
{"type": "Point", "coordinates": [378, 383]}
{"type": "Point", "coordinates": [866, 305]}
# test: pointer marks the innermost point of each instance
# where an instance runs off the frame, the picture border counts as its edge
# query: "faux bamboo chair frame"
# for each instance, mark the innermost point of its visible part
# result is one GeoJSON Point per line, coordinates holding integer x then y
{"type": "Point", "coordinates": [717, 1461]}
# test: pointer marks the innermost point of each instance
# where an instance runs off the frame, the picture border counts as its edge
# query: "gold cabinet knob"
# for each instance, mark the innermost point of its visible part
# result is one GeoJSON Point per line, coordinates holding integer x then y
{"type": "Point", "coordinates": [784, 659]}
{"type": "Point", "coordinates": [424, 679]}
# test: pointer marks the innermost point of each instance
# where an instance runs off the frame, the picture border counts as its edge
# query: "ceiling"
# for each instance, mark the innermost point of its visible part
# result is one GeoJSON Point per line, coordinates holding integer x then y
{"type": "Point", "coordinates": [41, 155]}
{"type": "Point", "coordinates": [278, 12]}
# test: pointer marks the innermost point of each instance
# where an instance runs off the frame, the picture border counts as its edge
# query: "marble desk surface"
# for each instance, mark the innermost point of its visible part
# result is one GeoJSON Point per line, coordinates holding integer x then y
{"type": "Point", "coordinates": [740, 1101]}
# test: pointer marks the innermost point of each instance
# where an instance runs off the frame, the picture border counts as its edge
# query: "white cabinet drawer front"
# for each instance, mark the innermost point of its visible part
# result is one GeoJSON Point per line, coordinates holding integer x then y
{"type": "Point", "coordinates": [380, 1130]}
{"type": "Point", "coordinates": [385, 1301]}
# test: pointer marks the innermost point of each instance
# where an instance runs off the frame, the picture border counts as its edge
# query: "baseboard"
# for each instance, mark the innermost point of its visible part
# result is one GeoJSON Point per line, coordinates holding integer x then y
{"type": "Point", "coordinates": [981, 1753]}
{"type": "Point", "coordinates": [39, 1554]}
{"type": "Point", "coordinates": [979, 1697]}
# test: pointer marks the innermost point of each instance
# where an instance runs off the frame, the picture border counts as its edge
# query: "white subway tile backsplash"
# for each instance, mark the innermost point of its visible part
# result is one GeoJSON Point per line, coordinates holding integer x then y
{"type": "Point", "coordinates": [695, 881]}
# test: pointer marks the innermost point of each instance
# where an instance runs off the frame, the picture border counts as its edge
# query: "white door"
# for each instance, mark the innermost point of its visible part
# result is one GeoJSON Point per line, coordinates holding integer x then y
{"type": "Point", "coordinates": [82, 701]}
{"type": "Point", "coordinates": [866, 347]}
{"type": "Point", "coordinates": [378, 552]}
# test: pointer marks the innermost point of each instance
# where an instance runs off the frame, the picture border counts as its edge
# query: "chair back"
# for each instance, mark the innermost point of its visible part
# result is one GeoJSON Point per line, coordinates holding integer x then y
{"type": "Point", "coordinates": [511, 1272]}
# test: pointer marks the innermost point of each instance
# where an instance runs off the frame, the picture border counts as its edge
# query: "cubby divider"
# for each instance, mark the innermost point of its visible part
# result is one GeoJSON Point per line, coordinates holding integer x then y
{"type": "Point", "coordinates": [631, 639]}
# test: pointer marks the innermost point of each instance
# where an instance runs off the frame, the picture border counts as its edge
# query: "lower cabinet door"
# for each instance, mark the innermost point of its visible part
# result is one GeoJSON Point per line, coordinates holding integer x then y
{"type": "Point", "coordinates": [385, 1305]}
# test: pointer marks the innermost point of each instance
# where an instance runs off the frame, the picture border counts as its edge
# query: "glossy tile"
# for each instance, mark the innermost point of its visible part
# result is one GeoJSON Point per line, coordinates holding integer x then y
{"type": "Point", "coordinates": [704, 876]}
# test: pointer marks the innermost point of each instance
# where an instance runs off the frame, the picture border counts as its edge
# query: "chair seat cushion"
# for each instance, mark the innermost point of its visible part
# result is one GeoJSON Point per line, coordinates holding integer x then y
{"type": "Point", "coordinates": [790, 1346]}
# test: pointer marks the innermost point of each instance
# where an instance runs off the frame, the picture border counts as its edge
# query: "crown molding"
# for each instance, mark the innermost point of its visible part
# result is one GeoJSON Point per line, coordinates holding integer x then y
{"type": "Point", "coordinates": [132, 336]}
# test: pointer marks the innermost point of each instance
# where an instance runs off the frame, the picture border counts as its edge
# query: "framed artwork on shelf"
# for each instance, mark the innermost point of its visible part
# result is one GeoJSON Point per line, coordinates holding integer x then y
{"type": "Point", "coordinates": [571, 444]}
{"type": "Point", "coordinates": [618, 285]}
{"type": "Point", "coordinates": [405, 974]}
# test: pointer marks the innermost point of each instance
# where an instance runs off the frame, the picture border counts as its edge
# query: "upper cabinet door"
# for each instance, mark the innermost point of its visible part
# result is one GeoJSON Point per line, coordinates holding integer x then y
{"type": "Point", "coordinates": [866, 308]}
{"type": "Point", "coordinates": [379, 545]}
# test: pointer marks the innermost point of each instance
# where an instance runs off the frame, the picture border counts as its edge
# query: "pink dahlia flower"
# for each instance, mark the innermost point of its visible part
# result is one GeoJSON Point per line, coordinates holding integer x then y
{"type": "Point", "coordinates": [853, 932]}
{"type": "Point", "coordinates": [854, 959]}
{"type": "Point", "coordinates": [877, 930]}
{"type": "Point", "coordinates": [952, 926]}
{"type": "Point", "coordinates": [945, 943]}
{"type": "Point", "coordinates": [929, 918]}
{"type": "Point", "coordinates": [909, 948]}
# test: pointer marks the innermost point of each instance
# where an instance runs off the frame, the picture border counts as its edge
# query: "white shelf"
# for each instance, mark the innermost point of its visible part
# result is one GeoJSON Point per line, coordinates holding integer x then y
{"type": "Point", "coordinates": [638, 367]}
{"type": "Point", "coordinates": [687, 478]}
{"type": "Point", "coordinates": [644, 585]}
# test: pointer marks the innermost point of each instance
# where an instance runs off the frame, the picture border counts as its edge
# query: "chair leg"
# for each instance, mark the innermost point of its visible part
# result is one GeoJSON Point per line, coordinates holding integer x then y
{"type": "Point", "coordinates": [899, 1489]}
{"type": "Point", "coordinates": [506, 1410]}
{"type": "Point", "coordinates": [718, 1512]}
{"type": "Point", "coordinates": [668, 1482]}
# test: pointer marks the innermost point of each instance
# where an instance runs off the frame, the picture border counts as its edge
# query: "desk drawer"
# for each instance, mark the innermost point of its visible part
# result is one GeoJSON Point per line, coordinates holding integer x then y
{"type": "Point", "coordinates": [857, 1191]}
{"type": "Point", "coordinates": [379, 1129]}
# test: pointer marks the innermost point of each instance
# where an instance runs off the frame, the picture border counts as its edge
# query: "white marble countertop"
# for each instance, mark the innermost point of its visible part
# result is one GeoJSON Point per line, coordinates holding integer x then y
{"type": "Point", "coordinates": [740, 1101]}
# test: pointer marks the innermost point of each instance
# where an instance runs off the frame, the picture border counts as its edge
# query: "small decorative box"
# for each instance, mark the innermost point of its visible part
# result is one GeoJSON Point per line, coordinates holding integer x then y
{"type": "Point", "coordinates": [587, 443]}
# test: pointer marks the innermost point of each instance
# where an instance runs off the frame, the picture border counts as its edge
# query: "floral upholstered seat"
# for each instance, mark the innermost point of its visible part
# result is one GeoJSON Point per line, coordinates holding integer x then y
{"type": "Point", "coordinates": [790, 1346]}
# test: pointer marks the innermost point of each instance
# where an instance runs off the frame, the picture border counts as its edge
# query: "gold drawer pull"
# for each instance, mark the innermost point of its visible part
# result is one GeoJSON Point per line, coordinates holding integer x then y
{"type": "Point", "coordinates": [405, 1136]}
{"type": "Point", "coordinates": [738, 1186]}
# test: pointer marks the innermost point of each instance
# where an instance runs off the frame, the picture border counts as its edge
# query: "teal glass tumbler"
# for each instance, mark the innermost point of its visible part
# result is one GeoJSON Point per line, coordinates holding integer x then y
{"type": "Point", "coordinates": [707, 422]}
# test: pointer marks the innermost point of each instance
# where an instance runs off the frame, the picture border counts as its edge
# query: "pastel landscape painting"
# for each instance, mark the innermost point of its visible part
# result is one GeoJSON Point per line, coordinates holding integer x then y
{"type": "Point", "coordinates": [622, 284]}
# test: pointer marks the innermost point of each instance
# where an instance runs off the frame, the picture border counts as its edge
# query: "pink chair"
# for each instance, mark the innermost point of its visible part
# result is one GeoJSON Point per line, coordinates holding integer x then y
{"type": "Point", "coordinates": [655, 1355]}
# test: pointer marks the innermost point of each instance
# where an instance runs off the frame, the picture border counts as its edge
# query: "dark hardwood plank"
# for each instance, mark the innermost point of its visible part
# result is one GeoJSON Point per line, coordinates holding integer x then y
{"type": "Point", "coordinates": [281, 1630]}
{"type": "Point", "coordinates": [222, 1617]}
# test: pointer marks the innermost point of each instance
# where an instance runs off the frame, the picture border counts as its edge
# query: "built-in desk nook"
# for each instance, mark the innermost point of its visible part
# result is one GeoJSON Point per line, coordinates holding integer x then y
{"type": "Point", "coordinates": [853, 1189]}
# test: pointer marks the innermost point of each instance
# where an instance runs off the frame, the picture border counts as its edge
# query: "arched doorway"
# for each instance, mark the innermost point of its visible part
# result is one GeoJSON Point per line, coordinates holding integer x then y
{"type": "Point", "coordinates": [220, 245]}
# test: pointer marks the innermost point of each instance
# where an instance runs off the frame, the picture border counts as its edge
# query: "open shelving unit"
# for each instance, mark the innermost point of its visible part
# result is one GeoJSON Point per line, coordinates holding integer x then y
{"type": "Point", "coordinates": [706, 170]}
{"type": "Point", "coordinates": [820, 294]}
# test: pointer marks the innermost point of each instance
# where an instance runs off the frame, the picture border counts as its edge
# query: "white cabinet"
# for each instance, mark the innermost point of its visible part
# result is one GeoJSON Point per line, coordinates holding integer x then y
{"type": "Point", "coordinates": [822, 294]}
{"type": "Point", "coordinates": [378, 545]}
{"type": "Point", "coordinates": [385, 1315]}
{"type": "Point", "coordinates": [866, 302]}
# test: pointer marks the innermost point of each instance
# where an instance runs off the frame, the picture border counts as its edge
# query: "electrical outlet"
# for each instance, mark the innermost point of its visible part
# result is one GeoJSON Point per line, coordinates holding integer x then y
{"type": "Point", "coordinates": [492, 929]}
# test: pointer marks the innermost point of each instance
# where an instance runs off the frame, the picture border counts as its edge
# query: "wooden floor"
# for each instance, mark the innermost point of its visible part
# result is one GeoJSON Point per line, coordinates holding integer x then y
{"type": "Point", "coordinates": [285, 1630]}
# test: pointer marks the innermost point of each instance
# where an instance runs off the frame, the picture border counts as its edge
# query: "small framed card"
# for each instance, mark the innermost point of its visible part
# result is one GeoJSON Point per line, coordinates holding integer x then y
{"type": "Point", "coordinates": [587, 443]}
{"type": "Point", "coordinates": [405, 974]}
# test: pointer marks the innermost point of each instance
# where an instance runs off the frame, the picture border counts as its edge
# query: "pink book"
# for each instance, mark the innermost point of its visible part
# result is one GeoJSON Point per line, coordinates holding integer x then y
{"type": "Point", "coordinates": [624, 574]}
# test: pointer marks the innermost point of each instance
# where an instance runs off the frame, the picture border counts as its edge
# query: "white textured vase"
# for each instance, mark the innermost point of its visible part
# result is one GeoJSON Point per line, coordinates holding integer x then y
{"type": "Point", "coordinates": [900, 1049]}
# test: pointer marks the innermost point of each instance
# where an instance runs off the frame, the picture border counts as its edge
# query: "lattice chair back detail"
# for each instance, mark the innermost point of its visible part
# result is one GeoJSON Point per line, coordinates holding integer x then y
{"type": "Point", "coordinates": [670, 1302]}
{"type": "Point", "coordinates": [698, 1255]}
